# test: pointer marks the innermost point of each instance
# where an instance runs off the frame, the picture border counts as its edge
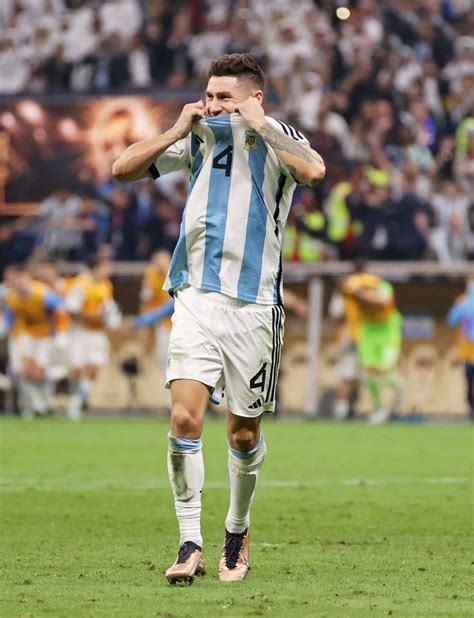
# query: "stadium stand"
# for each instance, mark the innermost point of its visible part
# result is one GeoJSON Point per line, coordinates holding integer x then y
{"type": "Point", "coordinates": [386, 96]}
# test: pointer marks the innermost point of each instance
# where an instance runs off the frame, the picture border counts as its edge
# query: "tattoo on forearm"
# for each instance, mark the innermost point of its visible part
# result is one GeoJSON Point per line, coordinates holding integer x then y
{"type": "Point", "coordinates": [282, 142]}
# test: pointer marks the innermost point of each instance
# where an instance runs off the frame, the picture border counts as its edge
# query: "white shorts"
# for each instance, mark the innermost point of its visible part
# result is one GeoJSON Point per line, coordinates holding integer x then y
{"type": "Point", "coordinates": [162, 342]}
{"type": "Point", "coordinates": [16, 346]}
{"type": "Point", "coordinates": [39, 349]}
{"type": "Point", "coordinates": [89, 347]}
{"type": "Point", "coordinates": [61, 357]}
{"type": "Point", "coordinates": [227, 343]}
{"type": "Point", "coordinates": [348, 367]}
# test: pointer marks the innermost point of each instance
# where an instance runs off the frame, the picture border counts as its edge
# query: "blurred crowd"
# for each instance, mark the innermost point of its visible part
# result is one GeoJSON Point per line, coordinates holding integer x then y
{"type": "Point", "coordinates": [129, 222]}
{"type": "Point", "coordinates": [383, 90]}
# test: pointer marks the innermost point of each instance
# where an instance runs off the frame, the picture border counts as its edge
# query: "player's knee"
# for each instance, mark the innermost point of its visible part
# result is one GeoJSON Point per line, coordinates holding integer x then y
{"type": "Point", "coordinates": [184, 423]}
{"type": "Point", "coordinates": [243, 439]}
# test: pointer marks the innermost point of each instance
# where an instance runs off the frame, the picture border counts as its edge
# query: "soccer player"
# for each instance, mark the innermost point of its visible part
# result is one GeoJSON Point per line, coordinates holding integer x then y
{"type": "Point", "coordinates": [46, 271]}
{"type": "Point", "coordinates": [376, 327]}
{"type": "Point", "coordinates": [225, 276]}
{"type": "Point", "coordinates": [33, 307]}
{"type": "Point", "coordinates": [93, 309]}
{"type": "Point", "coordinates": [153, 296]}
{"type": "Point", "coordinates": [13, 334]}
{"type": "Point", "coordinates": [461, 315]}
{"type": "Point", "coordinates": [345, 311]}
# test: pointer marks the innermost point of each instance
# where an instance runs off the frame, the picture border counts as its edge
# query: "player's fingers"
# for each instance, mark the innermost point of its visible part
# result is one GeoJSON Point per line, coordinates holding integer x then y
{"type": "Point", "coordinates": [191, 107]}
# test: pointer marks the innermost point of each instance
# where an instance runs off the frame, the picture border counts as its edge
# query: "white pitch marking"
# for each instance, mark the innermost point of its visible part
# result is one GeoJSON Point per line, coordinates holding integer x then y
{"type": "Point", "coordinates": [16, 485]}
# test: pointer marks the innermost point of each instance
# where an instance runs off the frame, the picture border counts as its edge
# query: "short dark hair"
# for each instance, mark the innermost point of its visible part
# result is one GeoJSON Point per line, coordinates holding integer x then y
{"type": "Point", "coordinates": [93, 261]}
{"type": "Point", "coordinates": [239, 65]}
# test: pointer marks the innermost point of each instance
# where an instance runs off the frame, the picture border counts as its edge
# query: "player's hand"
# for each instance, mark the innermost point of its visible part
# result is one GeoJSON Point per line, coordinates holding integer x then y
{"type": "Point", "coordinates": [252, 112]}
{"type": "Point", "coordinates": [189, 114]}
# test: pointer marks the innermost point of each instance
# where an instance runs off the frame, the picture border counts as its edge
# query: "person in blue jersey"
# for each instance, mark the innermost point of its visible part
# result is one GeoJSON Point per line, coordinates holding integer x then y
{"type": "Point", "coordinates": [225, 277]}
{"type": "Point", "coordinates": [461, 315]}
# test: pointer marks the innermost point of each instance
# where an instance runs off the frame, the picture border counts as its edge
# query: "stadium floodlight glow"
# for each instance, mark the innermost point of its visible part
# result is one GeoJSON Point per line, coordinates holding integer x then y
{"type": "Point", "coordinates": [343, 13]}
{"type": "Point", "coordinates": [68, 128]}
{"type": "Point", "coordinates": [9, 121]}
{"type": "Point", "coordinates": [31, 112]}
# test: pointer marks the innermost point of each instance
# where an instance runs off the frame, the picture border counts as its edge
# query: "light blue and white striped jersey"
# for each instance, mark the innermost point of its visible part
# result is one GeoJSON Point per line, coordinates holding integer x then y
{"type": "Point", "coordinates": [237, 205]}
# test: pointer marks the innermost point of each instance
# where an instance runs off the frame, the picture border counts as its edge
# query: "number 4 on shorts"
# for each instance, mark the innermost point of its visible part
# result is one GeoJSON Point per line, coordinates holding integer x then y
{"type": "Point", "coordinates": [258, 380]}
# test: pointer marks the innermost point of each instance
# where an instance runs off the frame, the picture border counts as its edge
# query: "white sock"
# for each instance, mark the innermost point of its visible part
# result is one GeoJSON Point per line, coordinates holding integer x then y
{"type": "Point", "coordinates": [243, 473]}
{"type": "Point", "coordinates": [341, 409]}
{"type": "Point", "coordinates": [42, 389]}
{"type": "Point", "coordinates": [186, 473]}
{"type": "Point", "coordinates": [37, 397]}
{"type": "Point", "coordinates": [25, 399]}
{"type": "Point", "coordinates": [78, 398]}
{"type": "Point", "coordinates": [85, 387]}
{"type": "Point", "coordinates": [49, 394]}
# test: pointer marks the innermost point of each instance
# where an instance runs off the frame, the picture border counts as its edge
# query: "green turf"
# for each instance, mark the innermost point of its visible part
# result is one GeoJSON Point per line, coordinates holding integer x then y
{"type": "Point", "coordinates": [349, 520]}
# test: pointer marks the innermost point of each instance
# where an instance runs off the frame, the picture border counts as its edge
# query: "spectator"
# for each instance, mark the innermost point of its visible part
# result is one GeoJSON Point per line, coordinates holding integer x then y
{"type": "Point", "coordinates": [464, 164]}
{"type": "Point", "coordinates": [60, 214]}
{"type": "Point", "coordinates": [391, 87]}
{"type": "Point", "coordinates": [461, 315]}
{"type": "Point", "coordinates": [163, 226]}
{"type": "Point", "coordinates": [159, 55]}
{"type": "Point", "coordinates": [179, 57]}
{"type": "Point", "coordinates": [95, 224]}
{"type": "Point", "coordinates": [123, 224]}
{"type": "Point", "coordinates": [139, 63]}
{"type": "Point", "coordinates": [450, 236]}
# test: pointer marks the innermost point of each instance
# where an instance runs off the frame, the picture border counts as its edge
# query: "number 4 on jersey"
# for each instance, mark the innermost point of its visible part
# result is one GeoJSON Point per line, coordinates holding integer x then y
{"type": "Point", "coordinates": [223, 160]}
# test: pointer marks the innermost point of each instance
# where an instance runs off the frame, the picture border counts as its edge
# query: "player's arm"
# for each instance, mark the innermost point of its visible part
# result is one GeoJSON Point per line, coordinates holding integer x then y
{"type": "Point", "coordinates": [379, 297]}
{"type": "Point", "coordinates": [111, 314]}
{"type": "Point", "coordinates": [154, 316]}
{"type": "Point", "coordinates": [304, 163]}
{"type": "Point", "coordinates": [52, 301]}
{"type": "Point", "coordinates": [456, 314]}
{"type": "Point", "coordinates": [74, 301]}
{"type": "Point", "coordinates": [9, 318]}
{"type": "Point", "coordinates": [296, 303]}
{"type": "Point", "coordinates": [135, 162]}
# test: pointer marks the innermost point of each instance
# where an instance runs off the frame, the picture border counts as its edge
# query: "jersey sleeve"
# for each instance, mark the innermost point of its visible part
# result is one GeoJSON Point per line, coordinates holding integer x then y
{"type": "Point", "coordinates": [456, 312]}
{"type": "Point", "coordinates": [52, 301]}
{"type": "Point", "coordinates": [174, 158]}
{"type": "Point", "coordinates": [112, 314]}
{"type": "Point", "coordinates": [75, 299]}
{"type": "Point", "coordinates": [290, 131]}
{"type": "Point", "coordinates": [9, 318]}
{"type": "Point", "coordinates": [385, 291]}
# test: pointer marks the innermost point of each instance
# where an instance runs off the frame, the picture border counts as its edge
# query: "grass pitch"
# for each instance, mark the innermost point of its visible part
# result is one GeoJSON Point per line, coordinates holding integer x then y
{"type": "Point", "coordinates": [348, 520]}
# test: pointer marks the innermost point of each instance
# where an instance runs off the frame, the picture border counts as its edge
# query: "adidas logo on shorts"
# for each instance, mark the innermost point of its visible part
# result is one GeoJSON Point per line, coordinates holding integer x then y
{"type": "Point", "coordinates": [255, 404]}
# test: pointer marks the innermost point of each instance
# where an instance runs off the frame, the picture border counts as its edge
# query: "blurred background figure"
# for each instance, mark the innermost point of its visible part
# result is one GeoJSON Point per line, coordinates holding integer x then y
{"type": "Point", "coordinates": [377, 325]}
{"type": "Point", "coordinates": [383, 90]}
{"type": "Point", "coordinates": [155, 301]}
{"type": "Point", "coordinates": [93, 310]}
{"type": "Point", "coordinates": [12, 333]}
{"type": "Point", "coordinates": [47, 272]}
{"type": "Point", "coordinates": [31, 314]}
{"type": "Point", "coordinates": [461, 315]}
{"type": "Point", "coordinates": [60, 217]}
{"type": "Point", "coordinates": [344, 310]}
